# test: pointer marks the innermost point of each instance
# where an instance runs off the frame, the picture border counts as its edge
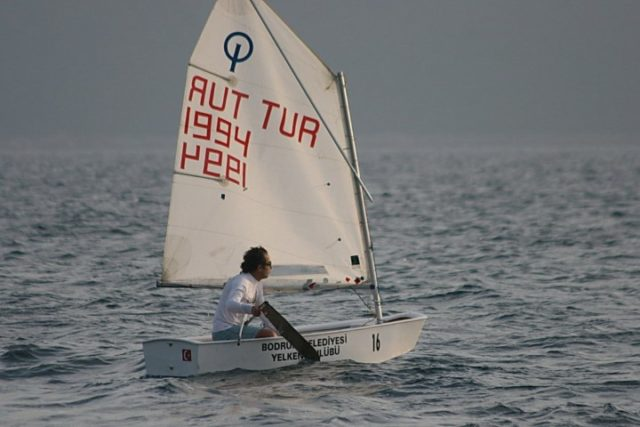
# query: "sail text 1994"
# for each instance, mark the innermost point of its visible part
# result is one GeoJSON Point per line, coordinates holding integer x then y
{"type": "Point", "coordinates": [221, 123]}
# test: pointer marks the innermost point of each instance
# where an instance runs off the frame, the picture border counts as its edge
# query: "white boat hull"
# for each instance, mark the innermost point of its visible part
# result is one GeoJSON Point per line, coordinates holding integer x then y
{"type": "Point", "coordinates": [361, 340]}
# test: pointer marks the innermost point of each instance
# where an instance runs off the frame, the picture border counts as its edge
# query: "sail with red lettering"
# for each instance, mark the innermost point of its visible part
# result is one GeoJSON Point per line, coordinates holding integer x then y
{"type": "Point", "coordinates": [264, 157]}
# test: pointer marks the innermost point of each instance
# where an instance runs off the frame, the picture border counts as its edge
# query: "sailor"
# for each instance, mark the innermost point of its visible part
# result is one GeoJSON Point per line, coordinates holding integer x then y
{"type": "Point", "coordinates": [241, 297]}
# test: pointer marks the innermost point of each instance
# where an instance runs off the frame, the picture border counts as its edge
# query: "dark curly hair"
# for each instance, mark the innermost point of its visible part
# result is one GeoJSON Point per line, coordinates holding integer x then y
{"type": "Point", "coordinates": [253, 258]}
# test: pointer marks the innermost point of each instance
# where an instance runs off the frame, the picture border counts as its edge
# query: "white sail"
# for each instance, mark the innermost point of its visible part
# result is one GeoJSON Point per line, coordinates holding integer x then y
{"type": "Point", "coordinates": [259, 163]}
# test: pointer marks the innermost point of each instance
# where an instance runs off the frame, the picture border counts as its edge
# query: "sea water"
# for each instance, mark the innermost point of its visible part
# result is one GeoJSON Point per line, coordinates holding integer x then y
{"type": "Point", "coordinates": [526, 259]}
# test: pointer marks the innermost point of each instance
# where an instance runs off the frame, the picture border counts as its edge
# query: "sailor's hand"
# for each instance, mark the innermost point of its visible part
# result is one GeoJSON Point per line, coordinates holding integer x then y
{"type": "Point", "coordinates": [255, 310]}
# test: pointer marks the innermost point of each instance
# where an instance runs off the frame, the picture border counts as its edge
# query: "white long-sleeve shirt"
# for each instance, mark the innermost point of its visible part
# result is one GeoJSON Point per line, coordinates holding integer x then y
{"type": "Point", "coordinates": [238, 296]}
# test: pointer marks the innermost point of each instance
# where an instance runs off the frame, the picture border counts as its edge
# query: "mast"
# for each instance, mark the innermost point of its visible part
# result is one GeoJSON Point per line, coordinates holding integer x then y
{"type": "Point", "coordinates": [362, 210]}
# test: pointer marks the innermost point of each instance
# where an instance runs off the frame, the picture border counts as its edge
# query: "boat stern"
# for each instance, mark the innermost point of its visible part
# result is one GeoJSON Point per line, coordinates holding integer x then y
{"type": "Point", "coordinates": [171, 357]}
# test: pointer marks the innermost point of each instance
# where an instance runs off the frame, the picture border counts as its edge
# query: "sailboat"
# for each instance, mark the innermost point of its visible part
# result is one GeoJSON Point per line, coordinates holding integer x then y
{"type": "Point", "coordinates": [266, 156]}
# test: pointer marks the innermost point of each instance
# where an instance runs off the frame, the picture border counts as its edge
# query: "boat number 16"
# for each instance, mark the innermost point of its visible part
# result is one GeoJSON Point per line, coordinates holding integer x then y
{"type": "Point", "coordinates": [375, 342]}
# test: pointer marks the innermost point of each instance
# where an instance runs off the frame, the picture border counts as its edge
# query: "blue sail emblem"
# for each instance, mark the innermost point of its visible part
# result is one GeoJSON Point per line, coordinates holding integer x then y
{"type": "Point", "coordinates": [238, 47]}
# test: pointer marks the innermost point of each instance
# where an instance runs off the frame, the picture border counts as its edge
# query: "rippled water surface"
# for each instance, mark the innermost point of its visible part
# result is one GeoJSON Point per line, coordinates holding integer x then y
{"type": "Point", "coordinates": [527, 262]}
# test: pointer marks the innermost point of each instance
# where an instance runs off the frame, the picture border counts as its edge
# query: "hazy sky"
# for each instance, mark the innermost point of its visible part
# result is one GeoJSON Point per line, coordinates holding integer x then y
{"type": "Point", "coordinates": [88, 69]}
